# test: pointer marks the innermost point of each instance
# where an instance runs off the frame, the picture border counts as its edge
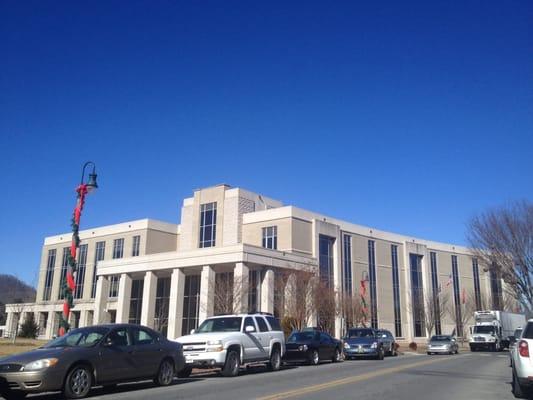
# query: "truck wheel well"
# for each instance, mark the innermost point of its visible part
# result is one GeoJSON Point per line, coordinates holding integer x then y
{"type": "Point", "coordinates": [237, 348]}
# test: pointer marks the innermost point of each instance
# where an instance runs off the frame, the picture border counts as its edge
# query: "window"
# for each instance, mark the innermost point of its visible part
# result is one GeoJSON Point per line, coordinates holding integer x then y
{"type": "Point", "coordinates": [80, 273]}
{"type": "Point", "coordinates": [528, 332]}
{"type": "Point", "coordinates": [372, 284]}
{"type": "Point", "coordinates": [254, 290]}
{"type": "Point", "coordinates": [396, 291]}
{"type": "Point", "coordinates": [347, 252]}
{"type": "Point", "coordinates": [457, 297]}
{"type": "Point", "coordinates": [263, 327]}
{"type": "Point", "coordinates": [119, 337]}
{"type": "Point", "coordinates": [162, 300]}
{"type": "Point", "coordinates": [114, 283]}
{"type": "Point", "coordinates": [417, 294]}
{"type": "Point", "coordinates": [99, 256]}
{"type": "Point", "coordinates": [208, 224]}
{"type": "Point", "coordinates": [326, 259]}
{"type": "Point", "coordinates": [477, 291]}
{"type": "Point", "coordinates": [226, 324]}
{"type": "Point", "coordinates": [436, 290]}
{"type": "Point", "coordinates": [118, 248]}
{"type": "Point", "coordinates": [248, 321]}
{"type": "Point", "coordinates": [496, 290]}
{"type": "Point", "coordinates": [274, 323]}
{"type": "Point", "coordinates": [270, 237]}
{"type": "Point", "coordinates": [142, 337]}
{"type": "Point", "coordinates": [136, 246]}
{"type": "Point", "coordinates": [191, 301]}
{"type": "Point", "coordinates": [136, 301]}
{"type": "Point", "coordinates": [63, 274]}
{"type": "Point", "coordinates": [50, 265]}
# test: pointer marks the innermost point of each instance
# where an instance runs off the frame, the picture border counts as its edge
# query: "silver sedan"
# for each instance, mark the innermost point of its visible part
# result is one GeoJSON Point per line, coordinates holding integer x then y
{"type": "Point", "coordinates": [442, 344]}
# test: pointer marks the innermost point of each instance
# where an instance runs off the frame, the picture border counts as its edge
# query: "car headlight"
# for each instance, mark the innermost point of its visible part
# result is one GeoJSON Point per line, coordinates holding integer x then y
{"type": "Point", "coordinates": [375, 345]}
{"type": "Point", "coordinates": [346, 345]}
{"type": "Point", "coordinates": [214, 342]}
{"type": "Point", "coordinates": [214, 345]}
{"type": "Point", "coordinates": [303, 347]}
{"type": "Point", "coordinates": [40, 364]}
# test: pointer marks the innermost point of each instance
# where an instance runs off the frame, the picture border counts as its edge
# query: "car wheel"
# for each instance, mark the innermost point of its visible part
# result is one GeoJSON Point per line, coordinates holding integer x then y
{"type": "Point", "coordinates": [429, 353]}
{"type": "Point", "coordinates": [275, 360]}
{"type": "Point", "coordinates": [185, 373]}
{"type": "Point", "coordinates": [78, 383]}
{"type": "Point", "coordinates": [313, 357]}
{"type": "Point", "coordinates": [338, 356]}
{"type": "Point", "coordinates": [231, 366]}
{"type": "Point", "coordinates": [165, 374]}
{"type": "Point", "coordinates": [518, 389]}
{"type": "Point", "coordinates": [381, 354]}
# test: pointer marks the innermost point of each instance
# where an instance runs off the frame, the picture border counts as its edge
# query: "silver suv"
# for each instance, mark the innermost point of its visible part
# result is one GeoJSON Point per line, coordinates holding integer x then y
{"type": "Point", "coordinates": [522, 363]}
{"type": "Point", "coordinates": [230, 342]}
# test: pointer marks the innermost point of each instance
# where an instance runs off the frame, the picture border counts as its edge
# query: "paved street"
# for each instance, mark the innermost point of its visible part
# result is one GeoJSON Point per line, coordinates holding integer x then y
{"type": "Point", "coordinates": [465, 376]}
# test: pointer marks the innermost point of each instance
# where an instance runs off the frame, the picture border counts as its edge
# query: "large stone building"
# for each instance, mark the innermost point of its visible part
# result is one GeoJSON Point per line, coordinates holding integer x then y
{"type": "Point", "coordinates": [170, 276]}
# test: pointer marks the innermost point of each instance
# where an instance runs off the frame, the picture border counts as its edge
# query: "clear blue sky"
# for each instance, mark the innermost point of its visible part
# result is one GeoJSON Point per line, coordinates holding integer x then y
{"type": "Point", "coordinates": [405, 116]}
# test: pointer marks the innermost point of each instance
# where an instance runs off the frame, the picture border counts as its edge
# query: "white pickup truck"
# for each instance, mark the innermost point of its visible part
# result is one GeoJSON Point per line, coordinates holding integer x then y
{"type": "Point", "coordinates": [230, 342]}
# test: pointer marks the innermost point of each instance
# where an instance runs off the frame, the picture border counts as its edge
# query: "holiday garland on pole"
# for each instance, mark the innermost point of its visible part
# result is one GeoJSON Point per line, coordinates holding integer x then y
{"type": "Point", "coordinates": [69, 284]}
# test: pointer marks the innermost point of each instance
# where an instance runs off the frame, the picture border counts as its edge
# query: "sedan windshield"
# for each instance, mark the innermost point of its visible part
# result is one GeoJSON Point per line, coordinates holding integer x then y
{"type": "Point", "coordinates": [440, 338]}
{"type": "Point", "coordinates": [483, 329]}
{"type": "Point", "coordinates": [230, 324]}
{"type": "Point", "coordinates": [83, 337]}
{"type": "Point", "coordinates": [360, 333]}
{"type": "Point", "coordinates": [301, 337]}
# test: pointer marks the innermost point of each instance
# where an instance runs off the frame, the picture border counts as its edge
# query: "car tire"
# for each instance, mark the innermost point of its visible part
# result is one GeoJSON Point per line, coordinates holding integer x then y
{"type": "Point", "coordinates": [337, 356]}
{"type": "Point", "coordinates": [165, 373]}
{"type": "Point", "coordinates": [275, 360]}
{"type": "Point", "coordinates": [518, 390]}
{"type": "Point", "coordinates": [78, 382]}
{"type": "Point", "coordinates": [231, 366]}
{"type": "Point", "coordinates": [381, 354]}
{"type": "Point", "coordinates": [184, 373]}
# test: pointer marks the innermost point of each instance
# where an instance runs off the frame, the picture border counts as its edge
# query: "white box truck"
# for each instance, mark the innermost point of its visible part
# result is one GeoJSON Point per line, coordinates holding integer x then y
{"type": "Point", "coordinates": [493, 329]}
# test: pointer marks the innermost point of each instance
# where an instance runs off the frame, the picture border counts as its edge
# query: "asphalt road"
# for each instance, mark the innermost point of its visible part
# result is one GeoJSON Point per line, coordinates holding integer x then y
{"type": "Point", "coordinates": [466, 376]}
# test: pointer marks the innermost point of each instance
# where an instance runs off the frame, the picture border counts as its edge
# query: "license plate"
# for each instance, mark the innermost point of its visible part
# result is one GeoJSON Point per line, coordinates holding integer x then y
{"type": "Point", "coordinates": [360, 350]}
{"type": "Point", "coordinates": [188, 361]}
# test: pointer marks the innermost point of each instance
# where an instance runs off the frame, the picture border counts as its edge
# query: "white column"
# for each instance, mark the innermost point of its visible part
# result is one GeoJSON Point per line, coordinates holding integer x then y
{"type": "Point", "coordinates": [175, 306]}
{"type": "Point", "coordinates": [267, 292]}
{"type": "Point", "coordinates": [100, 301]}
{"type": "Point", "coordinates": [9, 324]}
{"type": "Point", "coordinates": [124, 296]}
{"type": "Point", "coordinates": [50, 324]}
{"type": "Point", "coordinates": [148, 304]}
{"type": "Point", "coordinates": [84, 314]}
{"type": "Point", "coordinates": [240, 287]}
{"type": "Point", "coordinates": [207, 293]}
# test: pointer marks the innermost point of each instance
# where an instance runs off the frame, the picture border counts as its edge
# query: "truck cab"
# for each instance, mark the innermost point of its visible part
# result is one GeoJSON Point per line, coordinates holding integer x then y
{"type": "Point", "coordinates": [493, 329]}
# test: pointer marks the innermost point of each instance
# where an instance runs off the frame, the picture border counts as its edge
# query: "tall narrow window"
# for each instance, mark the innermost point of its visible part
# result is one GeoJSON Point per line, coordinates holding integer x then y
{"type": "Point", "coordinates": [326, 259]}
{"type": "Point", "coordinates": [436, 291]}
{"type": "Point", "coordinates": [347, 252]}
{"type": "Point", "coordinates": [496, 290]}
{"type": "Point", "coordinates": [270, 237]}
{"type": "Point", "coordinates": [99, 256]}
{"type": "Point", "coordinates": [477, 290]}
{"type": "Point", "coordinates": [417, 294]}
{"type": "Point", "coordinates": [162, 301]}
{"type": "Point", "coordinates": [136, 246]}
{"type": "Point", "coordinates": [136, 301]}
{"type": "Point", "coordinates": [457, 297]}
{"type": "Point", "coordinates": [63, 274]}
{"type": "Point", "coordinates": [50, 265]}
{"type": "Point", "coordinates": [80, 273]}
{"type": "Point", "coordinates": [372, 284]}
{"type": "Point", "coordinates": [191, 302]}
{"type": "Point", "coordinates": [254, 290]}
{"type": "Point", "coordinates": [114, 283]}
{"type": "Point", "coordinates": [396, 291]}
{"type": "Point", "coordinates": [118, 248]}
{"type": "Point", "coordinates": [208, 224]}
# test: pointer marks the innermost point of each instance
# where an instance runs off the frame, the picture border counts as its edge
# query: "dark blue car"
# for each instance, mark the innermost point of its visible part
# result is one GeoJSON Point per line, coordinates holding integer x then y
{"type": "Point", "coordinates": [363, 342]}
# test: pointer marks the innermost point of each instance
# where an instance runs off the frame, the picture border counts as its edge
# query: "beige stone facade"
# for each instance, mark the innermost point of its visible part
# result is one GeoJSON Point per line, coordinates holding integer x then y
{"type": "Point", "coordinates": [168, 276]}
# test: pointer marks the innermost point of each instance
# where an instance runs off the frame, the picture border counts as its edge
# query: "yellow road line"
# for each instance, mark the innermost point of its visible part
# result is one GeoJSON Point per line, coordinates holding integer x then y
{"type": "Point", "coordinates": [352, 379]}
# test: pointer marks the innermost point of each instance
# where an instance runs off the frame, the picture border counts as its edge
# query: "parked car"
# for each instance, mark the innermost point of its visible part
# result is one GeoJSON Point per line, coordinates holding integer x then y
{"type": "Point", "coordinates": [85, 357]}
{"type": "Point", "coordinates": [512, 344]}
{"type": "Point", "coordinates": [442, 344]}
{"type": "Point", "coordinates": [312, 346]}
{"type": "Point", "coordinates": [363, 342]}
{"type": "Point", "coordinates": [522, 363]}
{"type": "Point", "coordinates": [230, 342]}
{"type": "Point", "coordinates": [389, 343]}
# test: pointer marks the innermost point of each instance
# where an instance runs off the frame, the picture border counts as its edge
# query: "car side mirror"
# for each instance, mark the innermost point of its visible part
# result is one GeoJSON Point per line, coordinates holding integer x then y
{"type": "Point", "coordinates": [249, 329]}
{"type": "Point", "coordinates": [108, 342]}
{"type": "Point", "coordinates": [193, 331]}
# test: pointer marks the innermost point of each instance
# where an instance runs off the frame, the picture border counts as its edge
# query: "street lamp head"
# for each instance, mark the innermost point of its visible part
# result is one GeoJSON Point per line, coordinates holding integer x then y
{"type": "Point", "coordinates": [92, 185]}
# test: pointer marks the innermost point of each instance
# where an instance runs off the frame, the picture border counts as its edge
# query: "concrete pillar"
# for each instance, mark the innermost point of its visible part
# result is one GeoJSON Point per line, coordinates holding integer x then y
{"type": "Point", "coordinates": [207, 293]}
{"type": "Point", "coordinates": [267, 291]}
{"type": "Point", "coordinates": [175, 306]}
{"type": "Point", "coordinates": [9, 323]}
{"type": "Point", "coordinates": [148, 304]}
{"type": "Point", "coordinates": [240, 287]}
{"type": "Point", "coordinates": [84, 315]}
{"type": "Point", "coordinates": [100, 301]}
{"type": "Point", "coordinates": [124, 296]}
{"type": "Point", "coordinates": [50, 324]}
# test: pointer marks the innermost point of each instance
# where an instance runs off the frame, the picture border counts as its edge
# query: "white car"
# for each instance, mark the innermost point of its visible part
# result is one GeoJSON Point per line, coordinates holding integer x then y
{"type": "Point", "coordinates": [522, 363]}
{"type": "Point", "coordinates": [512, 344]}
{"type": "Point", "coordinates": [230, 342]}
